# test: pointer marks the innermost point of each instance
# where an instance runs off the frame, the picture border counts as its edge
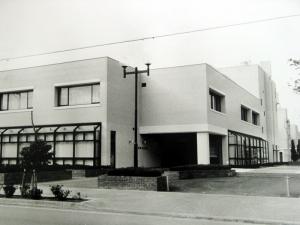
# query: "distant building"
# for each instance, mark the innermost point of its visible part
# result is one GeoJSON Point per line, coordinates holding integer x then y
{"type": "Point", "coordinates": [284, 136]}
{"type": "Point", "coordinates": [295, 134]}
{"type": "Point", "coordinates": [257, 80]}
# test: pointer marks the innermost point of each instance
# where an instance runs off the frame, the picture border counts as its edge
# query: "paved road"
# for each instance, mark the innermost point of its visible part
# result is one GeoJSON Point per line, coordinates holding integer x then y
{"type": "Point", "coordinates": [20, 215]}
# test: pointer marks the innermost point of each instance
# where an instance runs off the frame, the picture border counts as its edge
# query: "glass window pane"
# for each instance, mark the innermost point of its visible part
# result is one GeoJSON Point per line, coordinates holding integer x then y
{"type": "Point", "coordinates": [14, 101]}
{"type": "Point", "coordinates": [96, 93]}
{"type": "Point", "coordinates": [63, 96]}
{"type": "Point", "coordinates": [80, 95]}
{"type": "Point", "coordinates": [23, 102]}
{"type": "Point", "coordinates": [4, 102]}
{"type": "Point", "coordinates": [30, 96]}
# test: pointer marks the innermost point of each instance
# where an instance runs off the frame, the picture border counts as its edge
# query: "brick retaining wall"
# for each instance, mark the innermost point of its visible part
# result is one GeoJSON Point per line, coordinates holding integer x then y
{"type": "Point", "coordinates": [133, 183]}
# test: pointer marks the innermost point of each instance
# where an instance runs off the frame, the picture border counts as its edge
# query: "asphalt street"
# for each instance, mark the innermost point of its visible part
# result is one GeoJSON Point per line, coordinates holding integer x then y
{"type": "Point", "coordinates": [20, 215]}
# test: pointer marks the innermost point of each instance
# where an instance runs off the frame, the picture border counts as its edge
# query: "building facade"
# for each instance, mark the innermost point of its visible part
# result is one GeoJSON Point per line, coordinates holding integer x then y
{"type": "Point", "coordinates": [190, 114]}
{"type": "Point", "coordinates": [84, 109]}
{"type": "Point", "coordinates": [196, 115]}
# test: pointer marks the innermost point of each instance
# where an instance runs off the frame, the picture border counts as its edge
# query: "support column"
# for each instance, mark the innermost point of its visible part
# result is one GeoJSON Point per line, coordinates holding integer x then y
{"type": "Point", "coordinates": [225, 157]}
{"type": "Point", "coordinates": [203, 148]}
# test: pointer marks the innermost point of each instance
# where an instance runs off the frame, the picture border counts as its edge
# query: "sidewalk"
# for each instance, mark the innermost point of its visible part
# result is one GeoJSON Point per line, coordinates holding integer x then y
{"type": "Point", "coordinates": [234, 208]}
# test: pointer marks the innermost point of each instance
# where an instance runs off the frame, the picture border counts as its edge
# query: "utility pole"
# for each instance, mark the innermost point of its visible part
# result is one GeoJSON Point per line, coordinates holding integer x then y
{"type": "Point", "coordinates": [136, 72]}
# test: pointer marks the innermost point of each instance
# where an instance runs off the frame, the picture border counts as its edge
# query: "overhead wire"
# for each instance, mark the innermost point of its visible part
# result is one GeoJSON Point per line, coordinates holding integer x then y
{"type": "Point", "coordinates": [154, 37]}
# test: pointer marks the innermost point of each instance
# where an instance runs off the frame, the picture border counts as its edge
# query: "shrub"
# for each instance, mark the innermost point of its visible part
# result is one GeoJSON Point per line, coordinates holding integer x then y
{"type": "Point", "coordinates": [59, 193]}
{"type": "Point", "coordinates": [35, 193]}
{"type": "Point", "coordinates": [9, 190]}
{"type": "Point", "coordinates": [25, 191]}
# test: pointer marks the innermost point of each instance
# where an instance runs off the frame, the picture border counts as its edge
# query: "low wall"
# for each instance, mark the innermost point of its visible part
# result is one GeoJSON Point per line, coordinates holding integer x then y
{"type": "Point", "coordinates": [133, 183]}
{"type": "Point", "coordinates": [87, 173]}
{"type": "Point", "coordinates": [42, 176]}
{"type": "Point", "coordinates": [189, 174]}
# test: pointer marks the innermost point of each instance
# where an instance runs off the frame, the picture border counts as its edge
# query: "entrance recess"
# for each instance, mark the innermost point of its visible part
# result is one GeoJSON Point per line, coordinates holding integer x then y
{"type": "Point", "coordinates": [215, 149]}
{"type": "Point", "coordinates": [175, 149]}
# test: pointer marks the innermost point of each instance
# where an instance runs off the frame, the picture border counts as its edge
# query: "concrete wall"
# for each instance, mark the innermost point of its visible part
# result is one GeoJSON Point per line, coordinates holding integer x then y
{"type": "Point", "coordinates": [120, 113]}
{"type": "Point", "coordinates": [234, 96]}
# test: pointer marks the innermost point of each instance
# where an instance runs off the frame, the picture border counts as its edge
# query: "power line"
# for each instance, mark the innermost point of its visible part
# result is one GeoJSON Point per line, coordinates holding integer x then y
{"type": "Point", "coordinates": [155, 37]}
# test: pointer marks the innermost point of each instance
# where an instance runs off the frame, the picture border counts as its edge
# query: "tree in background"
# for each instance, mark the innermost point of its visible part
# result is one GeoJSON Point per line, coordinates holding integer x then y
{"type": "Point", "coordinates": [296, 83]}
{"type": "Point", "coordinates": [298, 148]}
{"type": "Point", "coordinates": [294, 155]}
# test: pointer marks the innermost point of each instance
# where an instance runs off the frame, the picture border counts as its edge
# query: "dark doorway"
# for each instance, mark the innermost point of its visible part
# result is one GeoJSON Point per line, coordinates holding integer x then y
{"type": "Point", "coordinates": [113, 148]}
{"type": "Point", "coordinates": [215, 149]}
{"type": "Point", "coordinates": [175, 149]}
{"type": "Point", "coordinates": [281, 156]}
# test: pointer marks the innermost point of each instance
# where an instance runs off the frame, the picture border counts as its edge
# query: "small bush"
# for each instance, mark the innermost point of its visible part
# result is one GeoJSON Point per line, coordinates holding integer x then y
{"type": "Point", "coordinates": [25, 191]}
{"type": "Point", "coordinates": [9, 190]}
{"type": "Point", "coordinates": [59, 193]}
{"type": "Point", "coordinates": [35, 193]}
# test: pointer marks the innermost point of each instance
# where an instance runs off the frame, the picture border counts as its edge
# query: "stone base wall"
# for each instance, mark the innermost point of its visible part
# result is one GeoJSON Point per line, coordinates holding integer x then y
{"type": "Point", "coordinates": [42, 176]}
{"type": "Point", "coordinates": [87, 173]}
{"type": "Point", "coordinates": [190, 174]}
{"type": "Point", "coordinates": [133, 183]}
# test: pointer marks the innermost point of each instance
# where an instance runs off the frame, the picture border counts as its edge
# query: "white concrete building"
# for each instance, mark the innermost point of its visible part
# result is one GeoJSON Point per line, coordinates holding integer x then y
{"type": "Point", "coordinates": [196, 115]}
{"type": "Point", "coordinates": [83, 108]}
{"type": "Point", "coordinates": [284, 136]}
{"type": "Point", "coordinates": [190, 114]}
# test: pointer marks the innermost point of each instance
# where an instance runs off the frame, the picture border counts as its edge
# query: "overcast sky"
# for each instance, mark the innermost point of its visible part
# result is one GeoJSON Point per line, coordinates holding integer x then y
{"type": "Point", "coordinates": [34, 26]}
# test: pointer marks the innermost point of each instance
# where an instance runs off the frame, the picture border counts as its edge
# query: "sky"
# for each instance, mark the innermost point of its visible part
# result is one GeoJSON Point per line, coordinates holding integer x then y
{"type": "Point", "coordinates": [36, 26]}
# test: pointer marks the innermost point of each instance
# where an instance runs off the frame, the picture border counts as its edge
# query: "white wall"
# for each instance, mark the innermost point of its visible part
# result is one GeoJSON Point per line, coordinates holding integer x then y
{"type": "Point", "coordinates": [235, 96]}
{"type": "Point", "coordinates": [120, 113]}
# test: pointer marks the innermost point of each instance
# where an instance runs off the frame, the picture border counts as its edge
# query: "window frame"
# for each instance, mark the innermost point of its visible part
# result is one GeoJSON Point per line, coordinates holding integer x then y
{"type": "Point", "coordinates": [213, 96]}
{"type": "Point", "coordinates": [256, 116]}
{"type": "Point", "coordinates": [247, 113]}
{"type": "Point", "coordinates": [19, 92]}
{"type": "Point", "coordinates": [59, 88]}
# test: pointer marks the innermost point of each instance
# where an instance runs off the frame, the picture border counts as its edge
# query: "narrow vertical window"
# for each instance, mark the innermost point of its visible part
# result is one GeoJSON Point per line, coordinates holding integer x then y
{"type": "Point", "coordinates": [216, 101]}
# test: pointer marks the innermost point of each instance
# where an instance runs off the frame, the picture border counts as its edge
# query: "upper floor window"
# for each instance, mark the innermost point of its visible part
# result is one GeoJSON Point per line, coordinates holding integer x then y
{"type": "Point", "coordinates": [16, 100]}
{"type": "Point", "coordinates": [78, 94]}
{"type": "Point", "coordinates": [216, 101]}
{"type": "Point", "coordinates": [255, 118]}
{"type": "Point", "coordinates": [244, 113]}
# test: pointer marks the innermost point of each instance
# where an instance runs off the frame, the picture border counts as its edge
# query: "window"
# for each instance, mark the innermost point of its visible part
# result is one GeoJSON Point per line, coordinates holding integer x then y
{"type": "Point", "coordinates": [16, 100]}
{"type": "Point", "coordinates": [216, 101]}
{"type": "Point", "coordinates": [78, 94]}
{"type": "Point", "coordinates": [244, 113]}
{"type": "Point", "coordinates": [255, 118]}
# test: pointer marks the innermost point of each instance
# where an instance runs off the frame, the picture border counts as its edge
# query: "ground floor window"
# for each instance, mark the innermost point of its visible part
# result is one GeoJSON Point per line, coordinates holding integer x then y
{"type": "Point", "coordinates": [244, 150]}
{"type": "Point", "coordinates": [77, 144]}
